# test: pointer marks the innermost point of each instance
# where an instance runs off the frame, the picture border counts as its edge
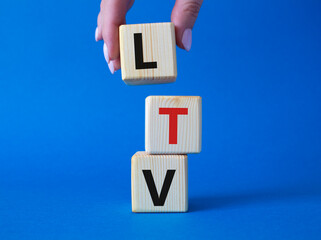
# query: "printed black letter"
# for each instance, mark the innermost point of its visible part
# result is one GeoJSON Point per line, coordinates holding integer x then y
{"type": "Point", "coordinates": [140, 64]}
{"type": "Point", "coordinates": [158, 200]}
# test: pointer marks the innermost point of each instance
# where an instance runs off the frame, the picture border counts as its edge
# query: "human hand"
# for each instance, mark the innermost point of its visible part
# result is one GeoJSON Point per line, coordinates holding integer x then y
{"type": "Point", "coordinates": [113, 14]}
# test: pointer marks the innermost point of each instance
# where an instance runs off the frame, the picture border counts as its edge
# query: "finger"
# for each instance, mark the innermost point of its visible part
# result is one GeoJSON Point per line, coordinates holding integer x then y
{"type": "Point", "coordinates": [116, 64]}
{"type": "Point", "coordinates": [109, 62]}
{"type": "Point", "coordinates": [184, 15]}
{"type": "Point", "coordinates": [98, 35]}
{"type": "Point", "coordinates": [113, 65]}
{"type": "Point", "coordinates": [113, 15]}
{"type": "Point", "coordinates": [130, 4]}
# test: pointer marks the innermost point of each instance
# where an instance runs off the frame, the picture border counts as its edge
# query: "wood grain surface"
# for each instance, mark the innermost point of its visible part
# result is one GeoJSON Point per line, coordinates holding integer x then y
{"type": "Point", "coordinates": [159, 45]}
{"type": "Point", "coordinates": [177, 197]}
{"type": "Point", "coordinates": [158, 129]}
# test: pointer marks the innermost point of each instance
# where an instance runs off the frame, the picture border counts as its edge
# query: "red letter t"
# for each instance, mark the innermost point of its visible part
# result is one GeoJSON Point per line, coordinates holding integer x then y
{"type": "Point", "coordinates": [173, 112]}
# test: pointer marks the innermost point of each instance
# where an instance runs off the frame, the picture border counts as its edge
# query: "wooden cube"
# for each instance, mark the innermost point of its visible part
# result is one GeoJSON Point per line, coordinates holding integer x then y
{"type": "Point", "coordinates": [148, 53]}
{"type": "Point", "coordinates": [173, 124]}
{"type": "Point", "coordinates": [159, 183]}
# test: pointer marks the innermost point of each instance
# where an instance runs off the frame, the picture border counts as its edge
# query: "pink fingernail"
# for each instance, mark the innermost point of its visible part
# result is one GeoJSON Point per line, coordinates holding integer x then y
{"type": "Point", "coordinates": [187, 39]}
{"type": "Point", "coordinates": [106, 53]}
{"type": "Point", "coordinates": [111, 67]}
{"type": "Point", "coordinates": [96, 34]}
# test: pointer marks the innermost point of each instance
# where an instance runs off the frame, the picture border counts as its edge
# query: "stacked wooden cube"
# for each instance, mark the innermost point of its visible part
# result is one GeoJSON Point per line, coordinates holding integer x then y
{"type": "Point", "coordinates": [173, 124]}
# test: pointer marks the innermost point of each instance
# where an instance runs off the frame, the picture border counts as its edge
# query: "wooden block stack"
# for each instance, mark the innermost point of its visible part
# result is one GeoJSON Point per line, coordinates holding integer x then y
{"type": "Point", "coordinates": [173, 124]}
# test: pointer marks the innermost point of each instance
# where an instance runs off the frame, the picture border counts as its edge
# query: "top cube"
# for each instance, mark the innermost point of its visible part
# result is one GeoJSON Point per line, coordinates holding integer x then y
{"type": "Point", "coordinates": [148, 53]}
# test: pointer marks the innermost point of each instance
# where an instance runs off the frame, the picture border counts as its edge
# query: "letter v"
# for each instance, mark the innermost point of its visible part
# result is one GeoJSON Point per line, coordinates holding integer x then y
{"type": "Point", "coordinates": [158, 200]}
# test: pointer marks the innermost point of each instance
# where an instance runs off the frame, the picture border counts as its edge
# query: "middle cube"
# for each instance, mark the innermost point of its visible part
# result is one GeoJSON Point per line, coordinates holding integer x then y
{"type": "Point", "coordinates": [173, 124]}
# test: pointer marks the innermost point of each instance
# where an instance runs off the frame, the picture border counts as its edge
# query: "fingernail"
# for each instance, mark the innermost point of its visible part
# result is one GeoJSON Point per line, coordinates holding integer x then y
{"type": "Point", "coordinates": [111, 67]}
{"type": "Point", "coordinates": [106, 53]}
{"type": "Point", "coordinates": [187, 39]}
{"type": "Point", "coordinates": [96, 34]}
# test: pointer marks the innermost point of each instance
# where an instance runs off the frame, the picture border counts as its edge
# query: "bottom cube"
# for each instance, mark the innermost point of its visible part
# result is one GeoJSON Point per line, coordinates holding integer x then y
{"type": "Point", "coordinates": [159, 183]}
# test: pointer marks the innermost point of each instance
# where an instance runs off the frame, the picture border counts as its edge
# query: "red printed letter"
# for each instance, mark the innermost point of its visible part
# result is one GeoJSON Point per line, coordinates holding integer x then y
{"type": "Point", "coordinates": [173, 113]}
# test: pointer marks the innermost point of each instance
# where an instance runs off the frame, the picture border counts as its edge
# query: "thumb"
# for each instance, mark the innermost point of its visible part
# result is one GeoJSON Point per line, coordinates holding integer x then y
{"type": "Point", "coordinates": [184, 15]}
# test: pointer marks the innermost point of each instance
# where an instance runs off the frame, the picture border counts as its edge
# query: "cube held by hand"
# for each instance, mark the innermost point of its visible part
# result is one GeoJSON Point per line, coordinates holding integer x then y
{"type": "Point", "coordinates": [148, 53]}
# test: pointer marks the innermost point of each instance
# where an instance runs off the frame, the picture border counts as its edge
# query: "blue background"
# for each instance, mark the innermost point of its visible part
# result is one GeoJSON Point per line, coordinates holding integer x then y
{"type": "Point", "coordinates": [68, 128]}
